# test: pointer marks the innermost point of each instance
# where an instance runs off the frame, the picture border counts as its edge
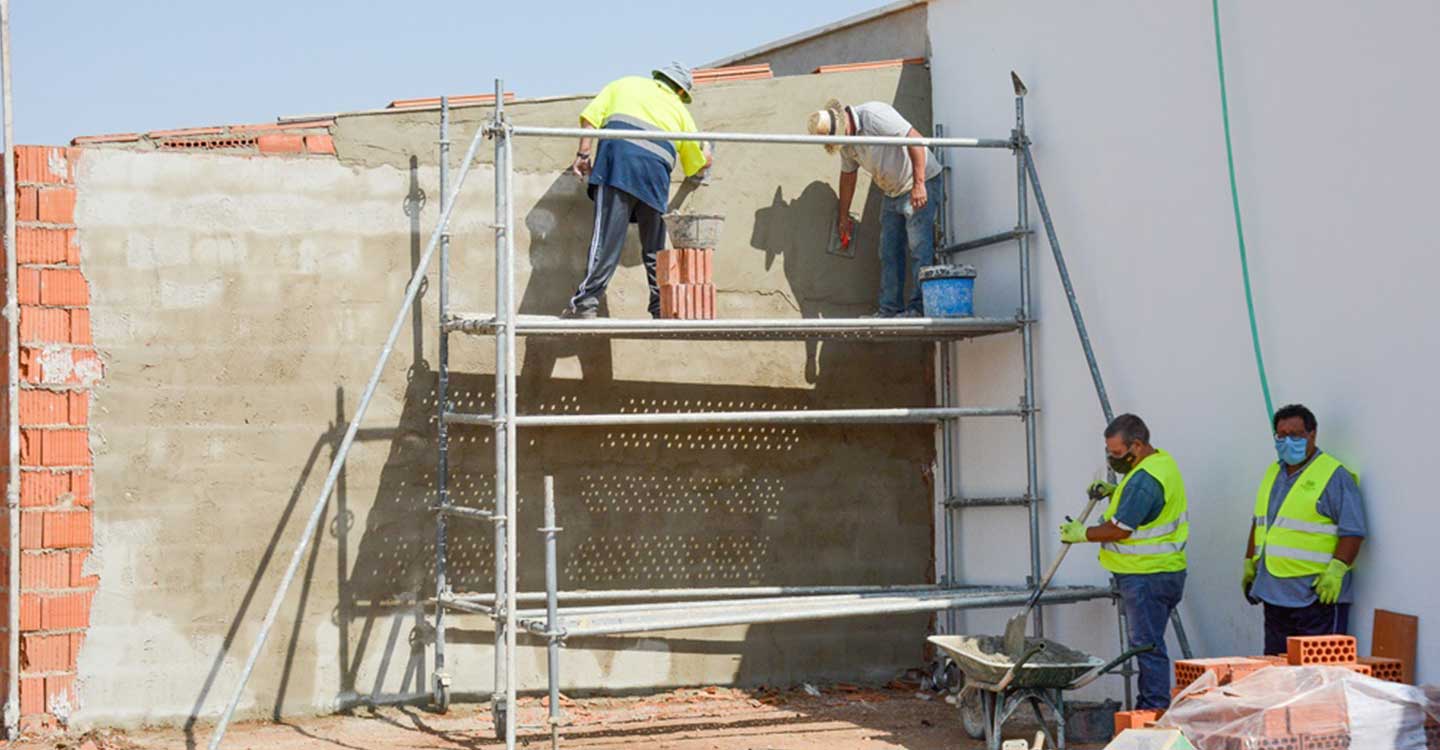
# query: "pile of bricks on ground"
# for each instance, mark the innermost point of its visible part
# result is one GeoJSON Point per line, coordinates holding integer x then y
{"type": "Point", "coordinates": [59, 367]}
{"type": "Point", "coordinates": [1302, 726]}
{"type": "Point", "coordinates": [687, 285]}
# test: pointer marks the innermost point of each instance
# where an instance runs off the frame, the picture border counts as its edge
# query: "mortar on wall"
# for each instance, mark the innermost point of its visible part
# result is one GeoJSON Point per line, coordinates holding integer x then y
{"type": "Point", "coordinates": [694, 230]}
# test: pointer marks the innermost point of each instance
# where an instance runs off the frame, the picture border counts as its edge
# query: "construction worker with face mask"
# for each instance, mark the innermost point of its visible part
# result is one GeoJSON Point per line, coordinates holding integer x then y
{"type": "Point", "coordinates": [629, 180]}
{"type": "Point", "coordinates": [1308, 525]}
{"type": "Point", "coordinates": [1142, 536]}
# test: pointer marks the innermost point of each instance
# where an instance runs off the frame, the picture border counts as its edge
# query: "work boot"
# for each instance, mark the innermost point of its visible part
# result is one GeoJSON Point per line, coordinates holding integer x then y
{"type": "Point", "coordinates": [574, 313]}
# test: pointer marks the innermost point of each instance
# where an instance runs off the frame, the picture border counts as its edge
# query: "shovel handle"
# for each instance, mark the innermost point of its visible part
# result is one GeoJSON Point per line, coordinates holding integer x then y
{"type": "Point", "coordinates": [1015, 668]}
{"type": "Point", "coordinates": [1054, 566]}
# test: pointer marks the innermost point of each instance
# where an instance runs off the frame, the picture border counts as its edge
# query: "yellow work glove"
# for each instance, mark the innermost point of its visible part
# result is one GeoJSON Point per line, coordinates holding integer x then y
{"type": "Point", "coordinates": [1099, 489]}
{"type": "Point", "coordinates": [1248, 577]}
{"type": "Point", "coordinates": [1072, 532]}
{"type": "Point", "coordinates": [1327, 584]}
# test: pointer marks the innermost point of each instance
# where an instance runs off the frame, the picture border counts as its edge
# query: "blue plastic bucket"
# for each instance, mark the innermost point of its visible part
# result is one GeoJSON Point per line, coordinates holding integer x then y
{"type": "Point", "coordinates": [948, 291]}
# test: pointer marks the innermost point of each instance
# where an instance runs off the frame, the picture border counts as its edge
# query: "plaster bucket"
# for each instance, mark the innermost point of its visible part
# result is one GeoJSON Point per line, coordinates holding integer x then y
{"type": "Point", "coordinates": [694, 230]}
{"type": "Point", "coordinates": [948, 291]}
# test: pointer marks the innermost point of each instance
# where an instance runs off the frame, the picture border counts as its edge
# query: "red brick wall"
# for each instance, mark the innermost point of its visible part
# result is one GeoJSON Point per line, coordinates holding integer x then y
{"type": "Point", "coordinates": [58, 369]}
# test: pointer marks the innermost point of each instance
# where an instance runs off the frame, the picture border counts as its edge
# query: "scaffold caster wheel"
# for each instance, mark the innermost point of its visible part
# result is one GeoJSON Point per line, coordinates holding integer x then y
{"type": "Point", "coordinates": [501, 716]}
{"type": "Point", "coordinates": [442, 692]}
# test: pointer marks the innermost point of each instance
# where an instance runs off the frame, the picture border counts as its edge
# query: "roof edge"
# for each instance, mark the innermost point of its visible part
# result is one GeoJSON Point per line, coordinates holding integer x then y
{"type": "Point", "coordinates": [829, 28]}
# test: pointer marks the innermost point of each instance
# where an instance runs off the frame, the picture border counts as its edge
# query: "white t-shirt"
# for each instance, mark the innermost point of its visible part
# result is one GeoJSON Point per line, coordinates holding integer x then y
{"type": "Point", "coordinates": [889, 166]}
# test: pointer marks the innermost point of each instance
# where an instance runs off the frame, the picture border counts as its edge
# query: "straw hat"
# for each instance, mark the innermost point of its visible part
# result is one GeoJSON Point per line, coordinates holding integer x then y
{"type": "Point", "coordinates": [828, 121]}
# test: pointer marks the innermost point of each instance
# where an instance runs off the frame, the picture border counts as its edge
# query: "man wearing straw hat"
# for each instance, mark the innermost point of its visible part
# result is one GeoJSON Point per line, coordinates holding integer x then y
{"type": "Point", "coordinates": [629, 180]}
{"type": "Point", "coordinates": [909, 176]}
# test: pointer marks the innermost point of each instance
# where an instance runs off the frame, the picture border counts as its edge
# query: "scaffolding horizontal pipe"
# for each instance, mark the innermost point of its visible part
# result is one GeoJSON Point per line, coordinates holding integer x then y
{"type": "Point", "coordinates": [744, 329]}
{"type": "Point", "coordinates": [704, 593]}
{"type": "Point", "coordinates": [744, 613]}
{"type": "Point", "coordinates": [988, 502]}
{"type": "Point", "coordinates": [802, 416]}
{"type": "Point", "coordinates": [473, 607]}
{"type": "Point", "coordinates": [653, 606]}
{"type": "Point", "coordinates": [531, 131]}
{"type": "Point", "coordinates": [463, 512]}
{"type": "Point", "coordinates": [979, 242]}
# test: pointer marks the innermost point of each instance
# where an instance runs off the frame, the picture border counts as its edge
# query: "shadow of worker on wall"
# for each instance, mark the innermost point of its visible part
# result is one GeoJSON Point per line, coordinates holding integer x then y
{"type": "Point", "coordinates": [559, 226]}
{"type": "Point", "coordinates": [823, 284]}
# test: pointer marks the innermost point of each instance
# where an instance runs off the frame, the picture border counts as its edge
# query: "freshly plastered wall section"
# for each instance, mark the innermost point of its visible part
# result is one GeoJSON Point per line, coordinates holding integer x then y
{"type": "Point", "coordinates": [241, 300]}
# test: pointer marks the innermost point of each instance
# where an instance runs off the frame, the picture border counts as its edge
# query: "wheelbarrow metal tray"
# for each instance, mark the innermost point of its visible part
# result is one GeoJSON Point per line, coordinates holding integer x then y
{"type": "Point", "coordinates": [983, 660]}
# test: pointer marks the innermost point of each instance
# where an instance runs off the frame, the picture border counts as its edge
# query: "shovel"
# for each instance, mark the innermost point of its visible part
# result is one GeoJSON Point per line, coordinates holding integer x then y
{"type": "Point", "coordinates": [1015, 628]}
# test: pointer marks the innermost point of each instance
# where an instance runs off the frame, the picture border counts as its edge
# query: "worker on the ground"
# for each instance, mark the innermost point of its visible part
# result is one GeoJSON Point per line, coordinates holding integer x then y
{"type": "Point", "coordinates": [1142, 538]}
{"type": "Point", "coordinates": [1308, 525]}
{"type": "Point", "coordinates": [909, 176]}
{"type": "Point", "coordinates": [629, 180]}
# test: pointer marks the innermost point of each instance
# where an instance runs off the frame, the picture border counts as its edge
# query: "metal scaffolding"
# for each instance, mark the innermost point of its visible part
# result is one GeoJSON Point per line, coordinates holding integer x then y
{"type": "Point", "coordinates": [645, 610]}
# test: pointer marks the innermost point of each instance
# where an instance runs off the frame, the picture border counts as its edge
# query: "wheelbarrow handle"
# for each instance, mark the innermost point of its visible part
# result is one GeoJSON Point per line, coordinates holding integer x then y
{"type": "Point", "coordinates": [1015, 668]}
{"type": "Point", "coordinates": [1113, 663]}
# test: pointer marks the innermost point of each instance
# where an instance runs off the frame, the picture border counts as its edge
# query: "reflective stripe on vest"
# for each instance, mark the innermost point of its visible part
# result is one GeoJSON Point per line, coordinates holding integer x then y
{"type": "Point", "coordinates": [662, 150]}
{"type": "Point", "coordinates": [1300, 541]}
{"type": "Point", "coordinates": [1158, 546]}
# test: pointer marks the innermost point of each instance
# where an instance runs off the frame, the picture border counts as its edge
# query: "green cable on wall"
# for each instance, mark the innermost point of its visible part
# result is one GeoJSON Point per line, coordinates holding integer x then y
{"type": "Point", "coordinates": [1239, 227]}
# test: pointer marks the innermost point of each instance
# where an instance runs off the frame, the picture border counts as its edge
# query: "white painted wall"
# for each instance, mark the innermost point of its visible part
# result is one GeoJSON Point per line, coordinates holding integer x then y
{"type": "Point", "coordinates": [1331, 107]}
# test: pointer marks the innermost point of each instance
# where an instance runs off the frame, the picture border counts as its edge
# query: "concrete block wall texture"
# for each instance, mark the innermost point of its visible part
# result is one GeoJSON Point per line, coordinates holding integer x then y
{"type": "Point", "coordinates": [1124, 112]}
{"type": "Point", "coordinates": [240, 303]}
{"type": "Point", "coordinates": [60, 367]}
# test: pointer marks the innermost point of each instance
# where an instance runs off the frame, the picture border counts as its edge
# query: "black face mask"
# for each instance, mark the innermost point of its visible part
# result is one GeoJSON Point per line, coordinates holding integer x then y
{"type": "Point", "coordinates": [1121, 464]}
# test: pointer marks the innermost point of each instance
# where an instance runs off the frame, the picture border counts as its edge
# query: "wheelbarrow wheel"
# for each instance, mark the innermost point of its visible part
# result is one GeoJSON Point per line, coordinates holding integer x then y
{"type": "Point", "coordinates": [972, 713]}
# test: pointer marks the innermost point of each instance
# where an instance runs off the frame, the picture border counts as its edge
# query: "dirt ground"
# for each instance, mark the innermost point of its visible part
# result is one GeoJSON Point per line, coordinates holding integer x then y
{"type": "Point", "coordinates": [841, 717]}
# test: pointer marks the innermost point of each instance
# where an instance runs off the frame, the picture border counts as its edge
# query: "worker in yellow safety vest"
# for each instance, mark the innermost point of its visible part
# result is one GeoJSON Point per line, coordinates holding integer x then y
{"type": "Point", "coordinates": [1142, 538]}
{"type": "Point", "coordinates": [1305, 534]}
{"type": "Point", "coordinates": [629, 179]}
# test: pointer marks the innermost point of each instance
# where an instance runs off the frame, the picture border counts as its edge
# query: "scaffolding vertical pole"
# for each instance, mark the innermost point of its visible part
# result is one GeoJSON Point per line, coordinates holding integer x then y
{"type": "Point", "coordinates": [552, 602]}
{"type": "Point", "coordinates": [511, 447]}
{"type": "Point", "coordinates": [1027, 345]}
{"type": "Point", "coordinates": [1123, 621]}
{"type": "Point", "coordinates": [442, 397]}
{"type": "Point", "coordinates": [12, 391]}
{"type": "Point", "coordinates": [945, 352]}
{"type": "Point", "coordinates": [498, 706]}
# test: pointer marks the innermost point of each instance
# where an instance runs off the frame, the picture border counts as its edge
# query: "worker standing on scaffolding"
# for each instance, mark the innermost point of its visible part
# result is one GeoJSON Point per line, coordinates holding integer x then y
{"type": "Point", "coordinates": [629, 180]}
{"type": "Point", "coordinates": [1142, 538]}
{"type": "Point", "coordinates": [909, 176]}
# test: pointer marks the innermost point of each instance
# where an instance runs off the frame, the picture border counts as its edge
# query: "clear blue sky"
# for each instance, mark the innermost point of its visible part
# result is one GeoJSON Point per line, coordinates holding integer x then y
{"type": "Point", "coordinates": [83, 67]}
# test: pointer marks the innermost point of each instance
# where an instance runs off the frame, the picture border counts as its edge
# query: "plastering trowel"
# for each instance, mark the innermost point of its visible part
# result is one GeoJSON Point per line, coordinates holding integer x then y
{"type": "Point", "coordinates": [840, 244]}
{"type": "Point", "coordinates": [1015, 628]}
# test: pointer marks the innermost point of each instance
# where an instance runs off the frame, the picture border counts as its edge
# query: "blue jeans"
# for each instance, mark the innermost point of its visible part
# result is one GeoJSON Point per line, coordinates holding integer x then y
{"type": "Point", "coordinates": [1148, 600]}
{"type": "Point", "coordinates": [902, 236]}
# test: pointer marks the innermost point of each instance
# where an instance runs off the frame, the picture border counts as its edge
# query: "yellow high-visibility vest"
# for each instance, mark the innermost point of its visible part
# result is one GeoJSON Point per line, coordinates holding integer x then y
{"type": "Point", "coordinates": [1302, 540]}
{"type": "Point", "coordinates": [1158, 546]}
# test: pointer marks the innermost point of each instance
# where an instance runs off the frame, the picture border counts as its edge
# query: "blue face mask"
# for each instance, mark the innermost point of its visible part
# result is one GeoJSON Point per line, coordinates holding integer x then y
{"type": "Point", "coordinates": [1291, 450]}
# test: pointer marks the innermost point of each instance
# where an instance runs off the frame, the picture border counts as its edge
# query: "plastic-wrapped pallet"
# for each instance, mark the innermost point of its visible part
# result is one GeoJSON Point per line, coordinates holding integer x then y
{"type": "Point", "coordinates": [1305, 708]}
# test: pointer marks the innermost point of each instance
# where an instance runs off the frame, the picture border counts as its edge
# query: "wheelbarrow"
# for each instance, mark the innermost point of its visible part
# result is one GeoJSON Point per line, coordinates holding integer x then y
{"type": "Point", "coordinates": [994, 685]}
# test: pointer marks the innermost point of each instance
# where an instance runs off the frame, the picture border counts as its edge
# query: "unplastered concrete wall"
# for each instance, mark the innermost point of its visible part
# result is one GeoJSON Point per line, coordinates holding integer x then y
{"type": "Point", "coordinates": [239, 303]}
{"type": "Point", "coordinates": [1124, 110]}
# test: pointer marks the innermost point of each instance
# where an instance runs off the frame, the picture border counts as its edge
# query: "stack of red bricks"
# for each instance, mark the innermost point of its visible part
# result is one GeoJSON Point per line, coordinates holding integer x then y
{"type": "Point", "coordinates": [1310, 724]}
{"type": "Point", "coordinates": [687, 283]}
{"type": "Point", "coordinates": [58, 368]}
